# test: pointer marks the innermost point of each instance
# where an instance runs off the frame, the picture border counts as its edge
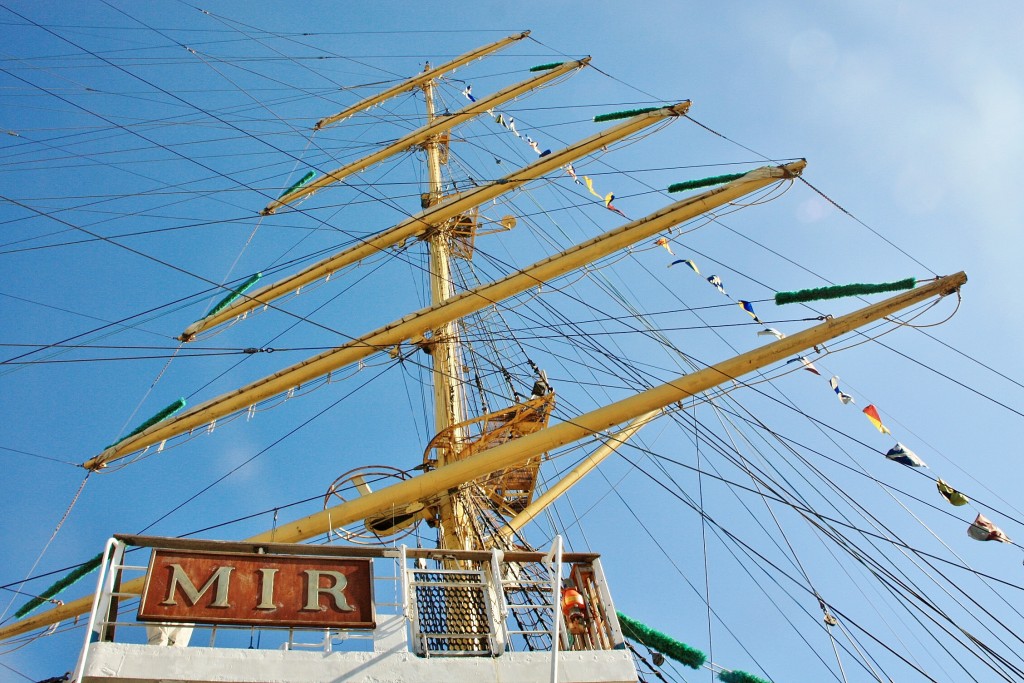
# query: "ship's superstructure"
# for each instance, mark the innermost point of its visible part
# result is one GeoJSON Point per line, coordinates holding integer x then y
{"type": "Point", "coordinates": [496, 616]}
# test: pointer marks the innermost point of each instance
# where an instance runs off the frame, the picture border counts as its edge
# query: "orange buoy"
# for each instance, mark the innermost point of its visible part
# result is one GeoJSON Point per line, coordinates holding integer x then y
{"type": "Point", "coordinates": [574, 609]}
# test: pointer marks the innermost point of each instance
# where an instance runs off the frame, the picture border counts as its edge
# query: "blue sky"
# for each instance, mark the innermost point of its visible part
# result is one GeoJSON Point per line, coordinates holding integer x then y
{"type": "Point", "coordinates": [908, 113]}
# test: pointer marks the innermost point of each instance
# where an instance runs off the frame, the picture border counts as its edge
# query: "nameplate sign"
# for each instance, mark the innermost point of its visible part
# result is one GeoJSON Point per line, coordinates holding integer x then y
{"type": "Point", "coordinates": [263, 590]}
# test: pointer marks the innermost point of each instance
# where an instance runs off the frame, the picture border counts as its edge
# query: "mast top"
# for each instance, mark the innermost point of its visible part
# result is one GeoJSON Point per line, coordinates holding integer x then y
{"type": "Point", "coordinates": [419, 79]}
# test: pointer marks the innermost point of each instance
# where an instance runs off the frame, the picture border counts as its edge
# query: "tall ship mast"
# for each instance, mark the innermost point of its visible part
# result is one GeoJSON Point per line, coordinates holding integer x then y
{"type": "Point", "coordinates": [450, 350]}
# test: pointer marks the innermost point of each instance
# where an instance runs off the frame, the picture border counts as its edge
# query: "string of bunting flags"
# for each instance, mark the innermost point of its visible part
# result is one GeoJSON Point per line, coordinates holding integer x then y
{"type": "Point", "coordinates": [981, 529]}
{"type": "Point", "coordinates": [509, 124]}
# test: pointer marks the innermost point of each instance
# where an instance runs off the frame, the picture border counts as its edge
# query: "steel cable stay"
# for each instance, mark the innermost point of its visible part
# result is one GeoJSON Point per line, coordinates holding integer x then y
{"type": "Point", "coordinates": [739, 461]}
{"type": "Point", "coordinates": [853, 547]}
{"type": "Point", "coordinates": [765, 560]}
{"type": "Point", "coordinates": [888, 491]}
{"type": "Point", "coordinates": [273, 444]}
{"type": "Point", "coordinates": [870, 518]}
{"type": "Point", "coordinates": [46, 546]}
{"type": "Point", "coordinates": [697, 592]}
{"type": "Point", "coordinates": [171, 94]}
{"type": "Point", "coordinates": [178, 304]}
{"type": "Point", "coordinates": [138, 253]}
{"type": "Point", "coordinates": [100, 238]}
{"type": "Point", "coordinates": [164, 188]}
{"type": "Point", "coordinates": [220, 525]}
{"type": "Point", "coordinates": [791, 444]}
{"type": "Point", "coordinates": [807, 504]}
{"type": "Point", "coordinates": [791, 550]}
{"type": "Point", "coordinates": [386, 367]}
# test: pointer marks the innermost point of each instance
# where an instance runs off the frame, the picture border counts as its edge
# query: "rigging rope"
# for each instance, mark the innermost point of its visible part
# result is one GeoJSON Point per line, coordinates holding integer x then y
{"type": "Point", "coordinates": [56, 588]}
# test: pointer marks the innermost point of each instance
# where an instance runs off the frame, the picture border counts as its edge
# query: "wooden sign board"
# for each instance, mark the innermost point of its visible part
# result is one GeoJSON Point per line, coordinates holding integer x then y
{"type": "Point", "coordinates": [263, 590]}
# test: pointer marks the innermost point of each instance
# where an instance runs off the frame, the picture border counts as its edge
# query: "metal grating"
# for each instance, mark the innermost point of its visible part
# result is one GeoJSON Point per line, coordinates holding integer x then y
{"type": "Point", "coordinates": [452, 611]}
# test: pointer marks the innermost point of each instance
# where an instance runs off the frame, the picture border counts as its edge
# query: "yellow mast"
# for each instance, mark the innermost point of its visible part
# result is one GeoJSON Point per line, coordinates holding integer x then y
{"type": "Point", "coordinates": [429, 485]}
{"type": "Point", "coordinates": [444, 342]}
{"type": "Point", "coordinates": [433, 128]}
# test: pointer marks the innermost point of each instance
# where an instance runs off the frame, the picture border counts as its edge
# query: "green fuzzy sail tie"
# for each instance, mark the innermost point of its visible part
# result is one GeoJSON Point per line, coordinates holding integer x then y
{"type": "Point", "coordinates": [739, 677]}
{"type": "Point", "coordinates": [839, 291]}
{"type": "Point", "coordinates": [682, 653]}
{"type": "Point", "coordinates": [73, 577]}
{"type": "Point", "coordinates": [546, 67]}
{"type": "Point", "coordinates": [629, 113]}
{"type": "Point", "coordinates": [299, 183]}
{"type": "Point", "coordinates": [162, 415]}
{"type": "Point", "coordinates": [704, 182]}
{"type": "Point", "coordinates": [230, 298]}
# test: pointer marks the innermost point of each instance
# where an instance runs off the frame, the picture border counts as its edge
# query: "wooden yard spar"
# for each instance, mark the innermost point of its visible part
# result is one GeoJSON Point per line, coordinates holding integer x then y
{"type": "Point", "coordinates": [420, 80]}
{"type": "Point", "coordinates": [431, 217]}
{"type": "Point", "coordinates": [434, 127]}
{"type": "Point", "coordinates": [414, 326]}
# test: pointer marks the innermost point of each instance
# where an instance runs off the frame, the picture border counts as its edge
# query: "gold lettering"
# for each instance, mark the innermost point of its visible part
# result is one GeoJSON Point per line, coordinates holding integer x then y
{"type": "Point", "coordinates": [267, 588]}
{"type": "Point", "coordinates": [221, 577]}
{"type": "Point", "coordinates": [314, 589]}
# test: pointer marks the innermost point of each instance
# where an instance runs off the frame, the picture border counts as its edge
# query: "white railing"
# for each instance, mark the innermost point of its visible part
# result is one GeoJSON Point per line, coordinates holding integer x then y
{"type": "Point", "coordinates": [429, 602]}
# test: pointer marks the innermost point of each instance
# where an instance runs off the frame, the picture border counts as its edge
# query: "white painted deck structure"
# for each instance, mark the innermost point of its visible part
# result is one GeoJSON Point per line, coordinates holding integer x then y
{"type": "Point", "coordinates": [513, 618]}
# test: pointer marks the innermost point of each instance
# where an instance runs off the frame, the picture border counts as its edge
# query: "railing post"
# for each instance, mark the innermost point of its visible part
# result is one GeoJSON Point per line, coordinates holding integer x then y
{"type": "Point", "coordinates": [499, 605]}
{"type": "Point", "coordinates": [554, 561]}
{"type": "Point", "coordinates": [104, 586]}
{"type": "Point", "coordinates": [611, 619]}
{"type": "Point", "coordinates": [403, 579]}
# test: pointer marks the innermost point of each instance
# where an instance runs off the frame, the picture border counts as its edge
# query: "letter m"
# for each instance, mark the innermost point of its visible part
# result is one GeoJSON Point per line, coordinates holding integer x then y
{"type": "Point", "coordinates": [221, 577]}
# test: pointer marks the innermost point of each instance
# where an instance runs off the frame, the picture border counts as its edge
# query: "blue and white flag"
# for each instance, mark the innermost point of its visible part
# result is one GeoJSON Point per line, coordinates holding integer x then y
{"type": "Point", "coordinates": [904, 456]}
{"type": "Point", "coordinates": [844, 397]}
{"type": "Point", "coordinates": [717, 282]}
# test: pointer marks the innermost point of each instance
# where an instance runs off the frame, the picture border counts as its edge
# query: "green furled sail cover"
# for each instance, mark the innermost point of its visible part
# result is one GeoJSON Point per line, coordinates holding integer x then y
{"type": "Point", "coordinates": [629, 113]}
{"type": "Point", "coordinates": [230, 298]}
{"type": "Point", "coordinates": [162, 415]}
{"type": "Point", "coordinates": [682, 653]}
{"type": "Point", "coordinates": [704, 182]}
{"type": "Point", "coordinates": [73, 576]}
{"type": "Point", "coordinates": [546, 67]}
{"type": "Point", "coordinates": [298, 183]}
{"type": "Point", "coordinates": [839, 291]}
{"type": "Point", "coordinates": [739, 677]}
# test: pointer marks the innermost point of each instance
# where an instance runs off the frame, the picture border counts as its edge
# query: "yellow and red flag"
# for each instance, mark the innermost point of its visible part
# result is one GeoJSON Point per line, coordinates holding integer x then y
{"type": "Point", "coordinates": [872, 414]}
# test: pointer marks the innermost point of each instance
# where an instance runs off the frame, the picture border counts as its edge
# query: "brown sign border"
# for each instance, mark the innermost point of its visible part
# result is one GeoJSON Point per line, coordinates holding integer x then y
{"type": "Point", "coordinates": [265, 621]}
